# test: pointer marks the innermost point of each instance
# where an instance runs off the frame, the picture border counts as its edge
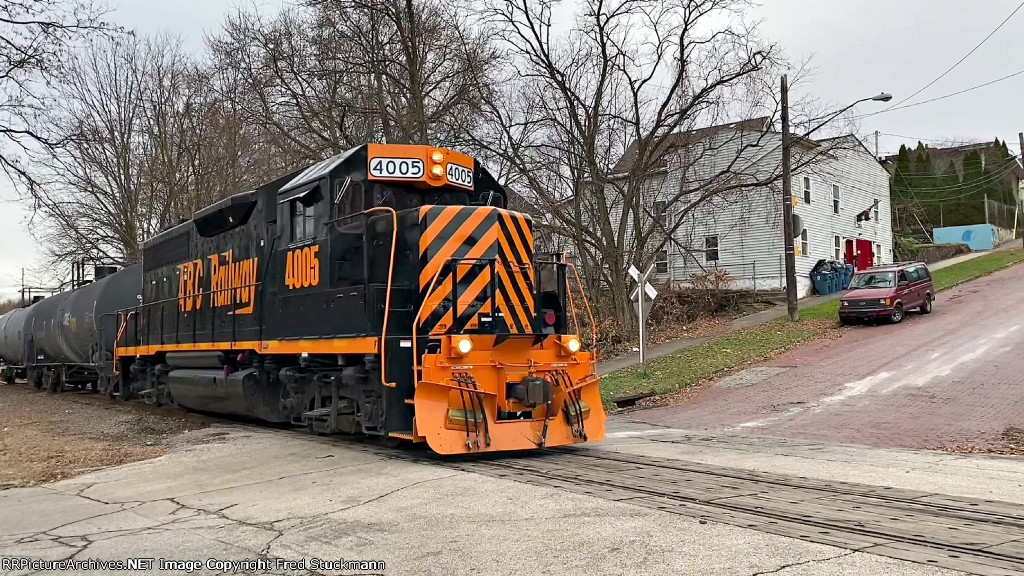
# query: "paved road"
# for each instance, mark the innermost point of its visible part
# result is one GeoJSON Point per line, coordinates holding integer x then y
{"type": "Point", "coordinates": [254, 493]}
{"type": "Point", "coordinates": [949, 378]}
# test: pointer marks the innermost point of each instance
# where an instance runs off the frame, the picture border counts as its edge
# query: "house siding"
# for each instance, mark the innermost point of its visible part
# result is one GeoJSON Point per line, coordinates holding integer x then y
{"type": "Point", "coordinates": [748, 222]}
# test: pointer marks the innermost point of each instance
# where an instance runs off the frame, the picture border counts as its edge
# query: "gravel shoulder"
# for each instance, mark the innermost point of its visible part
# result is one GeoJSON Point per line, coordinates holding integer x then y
{"type": "Point", "coordinates": [47, 437]}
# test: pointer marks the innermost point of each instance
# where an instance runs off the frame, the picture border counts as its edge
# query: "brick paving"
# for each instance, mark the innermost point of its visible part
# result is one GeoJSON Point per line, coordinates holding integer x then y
{"type": "Point", "coordinates": [954, 377]}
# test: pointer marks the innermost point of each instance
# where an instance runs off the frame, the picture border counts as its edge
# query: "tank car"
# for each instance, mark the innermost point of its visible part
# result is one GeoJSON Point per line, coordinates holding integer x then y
{"type": "Point", "coordinates": [68, 339]}
{"type": "Point", "coordinates": [385, 291]}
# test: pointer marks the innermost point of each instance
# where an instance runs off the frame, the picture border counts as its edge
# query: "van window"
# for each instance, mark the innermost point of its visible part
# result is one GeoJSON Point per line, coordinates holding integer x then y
{"type": "Point", "coordinates": [912, 275]}
{"type": "Point", "coordinates": [903, 276]}
{"type": "Point", "coordinates": [923, 272]}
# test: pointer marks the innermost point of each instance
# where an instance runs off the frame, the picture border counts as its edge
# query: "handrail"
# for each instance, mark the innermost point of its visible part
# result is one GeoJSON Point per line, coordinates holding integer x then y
{"type": "Point", "coordinates": [387, 297]}
{"type": "Point", "coordinates": [590, 314]}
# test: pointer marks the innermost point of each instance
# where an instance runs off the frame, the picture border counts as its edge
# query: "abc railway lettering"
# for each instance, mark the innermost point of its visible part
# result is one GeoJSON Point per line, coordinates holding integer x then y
{"type": "Point", "coordinates": [231, 283]}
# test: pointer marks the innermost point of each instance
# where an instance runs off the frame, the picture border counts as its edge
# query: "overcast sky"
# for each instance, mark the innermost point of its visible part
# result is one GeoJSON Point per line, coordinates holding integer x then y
{"type": "Point", "coordinates": [859, 48]}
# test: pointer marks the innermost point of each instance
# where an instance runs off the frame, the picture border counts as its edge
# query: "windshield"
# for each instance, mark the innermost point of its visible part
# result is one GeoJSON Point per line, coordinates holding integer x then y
{"type": "Point", "coordinates": [873, 280]}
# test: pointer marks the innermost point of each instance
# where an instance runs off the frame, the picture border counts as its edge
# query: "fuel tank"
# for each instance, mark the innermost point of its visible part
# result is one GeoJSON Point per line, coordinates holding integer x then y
{"type": "Point", "coordinates": [239, 393]}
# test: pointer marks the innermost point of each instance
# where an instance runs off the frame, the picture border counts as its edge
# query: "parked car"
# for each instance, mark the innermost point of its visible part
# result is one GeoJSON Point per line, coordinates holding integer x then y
{"type": "Point", "coordinates": [887, 293]}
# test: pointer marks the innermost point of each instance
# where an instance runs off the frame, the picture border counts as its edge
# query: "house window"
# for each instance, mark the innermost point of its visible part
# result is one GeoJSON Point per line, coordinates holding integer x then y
{"type": "Point", "coordinates": [875, 215]}
{"type": "Point", "coordinates": [878, 254]}
{"type": "Point", "coordinates": [711, 248]}
{"type": "Point", "coordinates": [806, 187]}
{"type": "Point", "coordinates": [837, 250]}
{"type": "Point", "coordinates": [302, 221]}
{"type": "Point", "coordinates": [661, 213]}
{"type": "Point", "coordinates": [661, 262]}
{"type": "Point", "coordinates": [803, 243]}
{"type": "Point", "coordinates": [835, 198]}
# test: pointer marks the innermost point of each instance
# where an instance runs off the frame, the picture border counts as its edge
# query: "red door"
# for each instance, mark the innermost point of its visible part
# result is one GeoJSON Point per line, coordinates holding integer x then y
{"type": "Point", "coordinates": [865, 254]}
{"type": "Point", "coordinates": [860, 253]}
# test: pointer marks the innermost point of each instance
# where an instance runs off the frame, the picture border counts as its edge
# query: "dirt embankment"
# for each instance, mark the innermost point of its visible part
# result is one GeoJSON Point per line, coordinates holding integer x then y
{"type": "Point", "coordinates": [46, 437]}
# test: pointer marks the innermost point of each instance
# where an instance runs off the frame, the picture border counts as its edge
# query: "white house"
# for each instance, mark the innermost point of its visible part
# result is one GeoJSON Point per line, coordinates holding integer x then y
{"type": "Point", "coordinates": [740, 231]}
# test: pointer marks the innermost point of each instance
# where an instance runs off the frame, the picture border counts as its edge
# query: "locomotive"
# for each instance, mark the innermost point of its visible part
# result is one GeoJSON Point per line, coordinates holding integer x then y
{"type": "Point", "coordinates": [386, 291]}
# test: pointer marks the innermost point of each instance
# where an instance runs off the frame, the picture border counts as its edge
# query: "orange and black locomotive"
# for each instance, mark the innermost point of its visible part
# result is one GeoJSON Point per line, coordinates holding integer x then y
{"type": "Point", "coordinates": [385, 291]}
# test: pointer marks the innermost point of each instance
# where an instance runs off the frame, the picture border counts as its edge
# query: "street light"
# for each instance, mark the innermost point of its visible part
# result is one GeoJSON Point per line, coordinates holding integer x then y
{"type": "Point", "coordinates": [787, 192]}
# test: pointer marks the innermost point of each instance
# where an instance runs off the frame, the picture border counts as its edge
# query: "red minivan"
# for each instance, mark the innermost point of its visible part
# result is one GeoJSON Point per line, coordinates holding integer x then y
{"type": "Point", "coordinates": [887, 292]}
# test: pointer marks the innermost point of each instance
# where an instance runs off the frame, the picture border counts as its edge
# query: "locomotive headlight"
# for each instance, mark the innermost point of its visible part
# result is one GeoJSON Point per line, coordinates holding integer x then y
{"type": "Point", "coordinates": [437, 171]}
{"type": "Point", "coordinates": [573, 344]}
{"type": "Point", "coordinates": [464, 346]}
{"type": "Point", "coordinates": [437, 156]}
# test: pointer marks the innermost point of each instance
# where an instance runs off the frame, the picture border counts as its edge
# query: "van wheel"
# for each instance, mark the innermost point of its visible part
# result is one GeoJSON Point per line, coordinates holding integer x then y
{"type": "Point", "coordinates": [926, 308]}
{"type": "Point", "coordinates": [897, 314]}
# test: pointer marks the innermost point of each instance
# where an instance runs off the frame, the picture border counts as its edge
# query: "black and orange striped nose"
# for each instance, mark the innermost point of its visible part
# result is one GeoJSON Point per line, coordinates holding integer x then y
{"type": "Point", "coordinates": [476, 262]}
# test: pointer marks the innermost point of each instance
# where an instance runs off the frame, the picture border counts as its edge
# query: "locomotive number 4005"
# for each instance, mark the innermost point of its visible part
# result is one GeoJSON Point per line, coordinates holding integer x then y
{"type": "Point", "coordinates": [396, 168]}
{"type": "Point", "coordinates": [303, 268]}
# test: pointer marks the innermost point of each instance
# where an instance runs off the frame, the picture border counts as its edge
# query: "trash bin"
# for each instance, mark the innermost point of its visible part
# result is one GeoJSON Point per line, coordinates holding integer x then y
{"type": "Point", "coordinates": [822, 284]}
{"type": "Point", "coordinates": [837, 280]}
{"type": "Point", "coordinates": [847, 276]}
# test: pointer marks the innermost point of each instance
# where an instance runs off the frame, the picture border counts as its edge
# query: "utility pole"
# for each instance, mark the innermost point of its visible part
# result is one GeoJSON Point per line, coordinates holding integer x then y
{"type": "Point", "coordinates": [986, 207]}
{"type": "Point", "coordinates": [1020, 158]}
{"type": "Point", "coordinates": [787, 209]}
{"type": "Point", "coordinates": [23, 286]}
{"type": "Point", "coordinates": [876, 145]}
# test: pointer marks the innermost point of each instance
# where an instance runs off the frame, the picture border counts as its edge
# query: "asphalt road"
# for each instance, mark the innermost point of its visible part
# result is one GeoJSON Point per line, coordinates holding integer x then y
{"type": "Point", "coordinates": [951, 378]}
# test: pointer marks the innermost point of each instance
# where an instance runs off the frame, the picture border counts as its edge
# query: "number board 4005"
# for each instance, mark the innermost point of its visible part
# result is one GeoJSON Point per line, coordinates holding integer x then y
{"type": "Point", "coordinates": [411, 168]}
{"type": "Point", "coordinates": [460, 175]}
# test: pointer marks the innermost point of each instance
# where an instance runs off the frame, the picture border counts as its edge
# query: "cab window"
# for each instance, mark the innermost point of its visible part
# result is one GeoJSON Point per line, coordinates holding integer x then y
{"type": "Point", "coordinates": [302, 221]}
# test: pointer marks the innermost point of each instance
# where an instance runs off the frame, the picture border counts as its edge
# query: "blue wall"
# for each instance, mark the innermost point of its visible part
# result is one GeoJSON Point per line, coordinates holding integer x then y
{"type": "Point", "coordinates": [978, 236]}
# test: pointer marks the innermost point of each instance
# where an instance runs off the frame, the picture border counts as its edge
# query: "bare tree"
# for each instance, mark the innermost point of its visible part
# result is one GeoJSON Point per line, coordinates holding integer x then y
{"type": "Point", "coordinates": [36, 37]}
{"type": "Point", "coordinates": [595, 118]}
{"type": "Point", "coordinates": [330, 74]}
{"type": "Point", "coordinates": [142, 149]}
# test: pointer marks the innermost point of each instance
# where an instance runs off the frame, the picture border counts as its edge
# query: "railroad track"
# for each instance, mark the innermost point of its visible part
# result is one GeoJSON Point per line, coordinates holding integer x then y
{"type": "Point", "coordinates": [972, 535]}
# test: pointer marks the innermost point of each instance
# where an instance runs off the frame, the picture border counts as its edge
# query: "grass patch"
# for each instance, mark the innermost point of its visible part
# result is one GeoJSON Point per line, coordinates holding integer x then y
{"type": "Point", "coordinates": [695, 363]}
{"type": "Point", "coordinates": [975, 268]}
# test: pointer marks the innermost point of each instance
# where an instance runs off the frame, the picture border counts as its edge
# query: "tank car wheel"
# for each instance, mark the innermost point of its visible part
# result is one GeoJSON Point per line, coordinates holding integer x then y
{"type": "Point", "coordinates": [48, 379]}
{"type": "Point", "coordinates": [36, 378]}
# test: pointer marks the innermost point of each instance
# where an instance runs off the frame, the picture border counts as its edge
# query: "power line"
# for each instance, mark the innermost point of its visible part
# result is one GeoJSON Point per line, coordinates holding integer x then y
{"type": "Point", "coordinates": [958, 62]}
{"type": "Point", "coordinates": [983, 181]}
{"type": "Point", "coordinates": [957, 93]}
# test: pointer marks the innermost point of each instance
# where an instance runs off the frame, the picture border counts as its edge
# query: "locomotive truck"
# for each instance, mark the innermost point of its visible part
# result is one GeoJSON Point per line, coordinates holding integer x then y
{"type": "Point", "coordinates": [386, 291]}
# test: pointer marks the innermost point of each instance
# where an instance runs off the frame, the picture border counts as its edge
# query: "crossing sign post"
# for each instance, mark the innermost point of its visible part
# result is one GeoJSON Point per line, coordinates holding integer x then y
{"type": "Point", "coordinates": [643, 295]}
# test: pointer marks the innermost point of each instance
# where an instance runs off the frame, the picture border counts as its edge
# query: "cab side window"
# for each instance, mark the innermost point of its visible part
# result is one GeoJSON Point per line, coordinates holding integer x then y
{"type": "Point", "coordinates": [302, 221]}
